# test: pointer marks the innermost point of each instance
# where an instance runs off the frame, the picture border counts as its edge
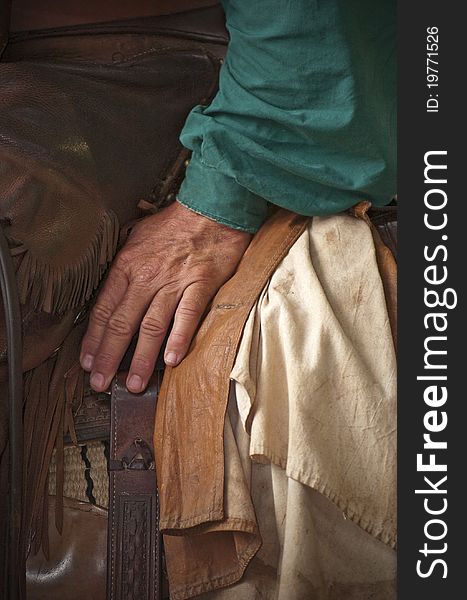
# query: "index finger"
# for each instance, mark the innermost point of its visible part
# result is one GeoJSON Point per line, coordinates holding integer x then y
{"type": "Point", "coordinates": [109, 298]}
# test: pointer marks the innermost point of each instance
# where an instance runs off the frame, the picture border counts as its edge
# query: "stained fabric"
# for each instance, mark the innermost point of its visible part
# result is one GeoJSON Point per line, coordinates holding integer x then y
{"type": "Point", "coordinates": [310, 550]}
{"type": "Point", "coordinates": [316, 374]}
{"type": "Point", "coordinates": [305, 115]}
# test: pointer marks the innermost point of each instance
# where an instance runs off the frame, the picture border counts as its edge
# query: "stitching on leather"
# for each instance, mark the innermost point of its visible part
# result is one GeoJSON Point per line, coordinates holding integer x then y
{"type": "Point", "coordinates": [295, 231]}
{"type": "Point", "coordinates": [250, 527]}
{"type": "Point", "coordinates": [113, 527]}
{"type": "Point", "coordinates": [152, 50]}
{"type": "Point", "coordinates": [222, 580]}
{"type": "Point", "coordinates": [159, 50]}
{"type": "Point", "coordinates": [157, 546]}
{"type": "Point", "coordinates": [278, 255]}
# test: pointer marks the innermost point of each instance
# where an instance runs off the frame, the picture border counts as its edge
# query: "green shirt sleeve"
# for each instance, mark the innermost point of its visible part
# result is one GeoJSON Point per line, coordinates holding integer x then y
{"type": "Point", "coordinates": [305, 113]}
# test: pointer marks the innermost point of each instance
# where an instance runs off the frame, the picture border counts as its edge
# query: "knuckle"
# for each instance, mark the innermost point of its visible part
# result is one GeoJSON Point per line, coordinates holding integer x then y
{"type": "Point", "coordinates": [122, 260]}
{"type": "Point", "coordinates": [119, 327]}
{"type": "Point", "coordinates": [100, 314]}
{"type": "Point", "coordinates": [105, 362]}
{"type": "Point", "coordinates": [152, 327]}
{"type": "Point", "coordinates": [143, 276]}
{"type": "Point", "coordinates": [179, 339]}
{"type": "Point", "coordinates": [188, 311]}
{"type": "Point", "coordinates": [141, 364]}
{"type": "Point", "coordinates": [90, 341]}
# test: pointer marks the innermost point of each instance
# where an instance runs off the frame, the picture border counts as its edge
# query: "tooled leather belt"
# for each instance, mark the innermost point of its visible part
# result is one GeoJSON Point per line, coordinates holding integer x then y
{"type": "Point", "coordinates": [134, 542]}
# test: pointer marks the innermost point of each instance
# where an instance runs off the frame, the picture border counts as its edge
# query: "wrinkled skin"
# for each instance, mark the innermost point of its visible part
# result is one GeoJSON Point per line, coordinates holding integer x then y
{"type": "Point", "coordinates": [173, 264]}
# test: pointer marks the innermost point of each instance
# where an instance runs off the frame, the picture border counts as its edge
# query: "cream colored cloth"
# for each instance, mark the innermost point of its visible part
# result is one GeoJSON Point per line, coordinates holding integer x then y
{"type": "Point", "coordinates": [310, 550]}
{"type": "Point", "coordinates": [316, 374]}
{"type": "Point", "coordinates": [315, 382]}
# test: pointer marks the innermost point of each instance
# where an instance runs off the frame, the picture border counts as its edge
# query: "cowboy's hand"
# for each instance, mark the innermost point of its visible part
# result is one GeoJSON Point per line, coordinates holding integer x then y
{"type": "Point", "coordinates": [173, 263]}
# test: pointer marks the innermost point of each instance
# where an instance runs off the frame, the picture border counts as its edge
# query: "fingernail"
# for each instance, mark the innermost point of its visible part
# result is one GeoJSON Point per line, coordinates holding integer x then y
{"type": "Point", "coordinates": [97, 381]}
{"type": "Point", "coordinates": [135, 384]}
{"type": "Point", "coordinates": [171, 358]}
{"type": "Point", "coordinates": [87, 361]}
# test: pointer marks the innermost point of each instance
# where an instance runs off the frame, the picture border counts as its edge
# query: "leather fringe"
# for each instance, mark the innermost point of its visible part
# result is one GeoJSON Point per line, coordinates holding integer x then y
{"type": "Point", "coordinates": [59, 288]}
{"type": "Point", "coordinates": [53, 391]}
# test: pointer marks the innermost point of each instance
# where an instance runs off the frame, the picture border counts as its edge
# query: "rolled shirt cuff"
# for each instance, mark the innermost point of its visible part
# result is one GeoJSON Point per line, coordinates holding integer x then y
{"type": "Point", "coordinates": [219, 197]}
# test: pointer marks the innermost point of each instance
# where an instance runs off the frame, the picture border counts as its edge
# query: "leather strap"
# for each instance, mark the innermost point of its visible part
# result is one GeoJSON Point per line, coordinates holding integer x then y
{"type": "Point", "coordinates": [385, 256]}
{"type": "Point", "coordinates": [5, 6]}
{"type": "Point", "coordinates": [134, 544]}
{"type": "Point", "coordinates": [30, 15]}
{"type": "Point", "coordinates": [189, 432]}
{"type": "Point", "coordinates": [14, 559]}
{"type": "Point", "coordinates": [180, 403]}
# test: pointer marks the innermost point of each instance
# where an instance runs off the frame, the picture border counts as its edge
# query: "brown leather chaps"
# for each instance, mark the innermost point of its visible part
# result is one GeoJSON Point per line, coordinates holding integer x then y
{"type": "Point", "coordinates": [89, 122]}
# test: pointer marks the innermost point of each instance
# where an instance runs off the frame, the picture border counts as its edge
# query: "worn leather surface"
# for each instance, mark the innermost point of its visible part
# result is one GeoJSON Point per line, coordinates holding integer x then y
{"type": "Point", "coordinates": [29, 15]}
{"type": "Point", "coordinates": [89, 125]}
{"type": "Point", "coordinates": [205, 550]}
{"type": "Point", "coordinates": [76, 565]}
{"type": "Point", "coordinates": [203, 24]}
{"type": "Point", "coordinates": [121, 101]}
{"type": "Point", "coordinates": [384, 219]}
{"type": "Point", "coordinates": [134, 544]}
{"type": "Point", "coordinates": [43, 334]}
{"type": "Point", "coordinates": [4, 23]}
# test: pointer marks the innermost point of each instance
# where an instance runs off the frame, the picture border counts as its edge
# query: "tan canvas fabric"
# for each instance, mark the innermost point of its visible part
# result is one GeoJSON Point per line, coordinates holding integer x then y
{"type": "Point", "coordinates": [309, 551]}
{"type": "Point", "coordinates": [316, 374]}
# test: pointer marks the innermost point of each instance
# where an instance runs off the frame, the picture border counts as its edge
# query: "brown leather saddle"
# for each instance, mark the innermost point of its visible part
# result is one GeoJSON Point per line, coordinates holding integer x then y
{"type": "Point", "coordinates": [120, 92]}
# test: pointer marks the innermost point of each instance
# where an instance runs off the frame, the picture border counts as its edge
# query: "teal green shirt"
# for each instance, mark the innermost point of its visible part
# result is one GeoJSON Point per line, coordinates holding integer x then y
{"type": "Point", "coordinates": [305, 115]}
